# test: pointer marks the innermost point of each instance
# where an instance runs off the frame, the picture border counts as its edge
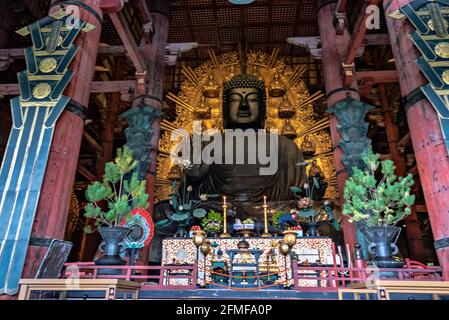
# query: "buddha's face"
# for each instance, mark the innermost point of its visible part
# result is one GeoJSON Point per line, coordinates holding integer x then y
{"type": "Point", "coordinates": [244, 106]}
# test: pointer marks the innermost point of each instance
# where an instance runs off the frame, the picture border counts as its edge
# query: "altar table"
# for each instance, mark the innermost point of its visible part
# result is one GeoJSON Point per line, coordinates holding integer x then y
{"type": "Point", "coordinates": [308, 249]}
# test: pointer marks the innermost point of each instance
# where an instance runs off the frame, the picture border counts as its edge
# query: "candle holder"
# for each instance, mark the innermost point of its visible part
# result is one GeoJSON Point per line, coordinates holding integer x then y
{"type": "Point", "coordinates": [266, 234]}
{"type": "Point", "coordinates": [225, 234]}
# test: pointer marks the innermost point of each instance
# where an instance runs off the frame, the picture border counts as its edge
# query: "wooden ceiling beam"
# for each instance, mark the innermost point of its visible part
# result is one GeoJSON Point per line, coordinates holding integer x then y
{"type": "Point", "coordinates": [359, 31]}
{"type": "Point", "coordinates": [377, 39]}
{"type": "Point", "coordinates": [260, 24]}
{"type": "Point", "coordinates": [341, 6]}
{"type": "Point", "coordinates": [381, 76]}
{"type": "Point", "coordinates": [111, 6]}
{"type": "Point", "coordinates": [12, 89]}
{"type": "Point", "coordinates": [357, 38]}
{"type": "Point", "coordinates": [229, 5]}
{"type": "Point", "coordinates": [92, 142]}
{"type": "Point", "coordinates": [405, 140]}
{"type": "Point", "coordinates": [122, 28]}
{"type": "Point", "coordinates": [82, 170]}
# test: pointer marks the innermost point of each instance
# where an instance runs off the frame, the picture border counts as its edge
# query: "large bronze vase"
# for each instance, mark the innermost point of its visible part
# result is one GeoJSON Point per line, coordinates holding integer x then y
{"type": "Point", "coordinates": [112, 236]}
{"type": "Point", "coordinates": [382, 246]}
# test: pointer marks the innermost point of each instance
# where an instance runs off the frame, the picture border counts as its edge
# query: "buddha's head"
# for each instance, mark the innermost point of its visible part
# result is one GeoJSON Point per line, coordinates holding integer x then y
{"type": "Point", "coordinates": [244, 102]}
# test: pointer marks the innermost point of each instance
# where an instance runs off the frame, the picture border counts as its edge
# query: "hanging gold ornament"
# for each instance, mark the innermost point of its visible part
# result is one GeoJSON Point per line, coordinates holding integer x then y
{"type": "Point", "coordinates": [277, 89]}
{"type": "Point", "coordinates": [286, 110]}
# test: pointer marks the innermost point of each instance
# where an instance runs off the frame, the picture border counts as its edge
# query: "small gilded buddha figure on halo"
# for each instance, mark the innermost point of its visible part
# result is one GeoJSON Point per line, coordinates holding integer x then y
{"type": "Point", "coordinates": [308, 147]}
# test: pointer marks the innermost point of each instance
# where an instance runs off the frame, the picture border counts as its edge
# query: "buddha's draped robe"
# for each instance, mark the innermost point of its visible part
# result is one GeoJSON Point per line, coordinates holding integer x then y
{"type": "Point", "coordinates": [243, 183]}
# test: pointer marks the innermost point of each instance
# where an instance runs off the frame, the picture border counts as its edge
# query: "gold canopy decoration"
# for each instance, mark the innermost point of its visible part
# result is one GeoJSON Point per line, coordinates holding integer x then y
{"type": "Point", "coordinates": [191, 100]}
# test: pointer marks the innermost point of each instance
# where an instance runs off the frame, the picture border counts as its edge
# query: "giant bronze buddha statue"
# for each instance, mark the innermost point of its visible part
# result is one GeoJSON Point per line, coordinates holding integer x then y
{"type": "Point", "coordinates": [244, 107]}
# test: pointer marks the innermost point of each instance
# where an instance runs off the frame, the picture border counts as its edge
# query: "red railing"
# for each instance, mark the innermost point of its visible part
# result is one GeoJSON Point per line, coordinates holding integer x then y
{"type": "Point", "coordinates": [311, 278]}
{"type": "Point", "coordinates": [330, 278]}
{"type": "Point", "coordinates": [152, 277]}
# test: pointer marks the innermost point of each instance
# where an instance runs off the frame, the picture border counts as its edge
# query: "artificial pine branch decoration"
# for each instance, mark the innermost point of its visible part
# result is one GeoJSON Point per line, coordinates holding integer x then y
{"type": "Point", "coordinates": [121, 195]}
{"type": "Point", "coordinates": [377, 203]}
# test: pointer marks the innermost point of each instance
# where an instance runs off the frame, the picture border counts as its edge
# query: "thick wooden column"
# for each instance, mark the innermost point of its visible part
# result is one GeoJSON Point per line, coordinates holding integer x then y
{"type": "Point", "coordinates": [154, 57]}
{"type": "Point", "coordinates": [51, 215]}
{"type": "Point", "coordinates": [428, 143]}
{"type": "Point", "coordinates": [412, 230]}
{"type": "Point", "coordinates": [6, 23]}
{"type": "Point", "coordinates": [335, 48]}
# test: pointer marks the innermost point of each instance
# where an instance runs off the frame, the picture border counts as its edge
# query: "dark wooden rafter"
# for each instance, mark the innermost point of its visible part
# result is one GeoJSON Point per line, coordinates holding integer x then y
{"type": "Point", "coordinates": [270, 23]}
{"type": "Point", "coordinates": [341, 6]}
{"type": "Point", "coordinates": [216, 26]}
{"type": "Point", "coordinates": [132, 49]}
{"type": "Point", "coordinates": [92, 142]}
{"type": "Point", "coordinates": [147, 27]}
{"type": "Point", "coordinates": [111, 6]}
{"type": "Point", "coordinates": [296, 26]}
{"type": "Point", "coordinates": [356, 42]}
{"type": "Point", "coordinates": [191, 30]}
{"type": "Point", "coordinates": [124, 86]}
{"type": "Point", "coordinates": [381, 76]}
{"type": "Point", "coordinates": [82, 170]}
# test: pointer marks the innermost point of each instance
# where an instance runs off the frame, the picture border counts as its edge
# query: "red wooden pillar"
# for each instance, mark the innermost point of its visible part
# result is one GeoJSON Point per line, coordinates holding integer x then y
{"type": "Point", "coordinates": [428, 143]}
{"type": "Point", "coordinates": [154, 57]}
{"type": "Point", "coordinates": [335, 48]}
{"type": "Point", "coordinates": [51, 215]}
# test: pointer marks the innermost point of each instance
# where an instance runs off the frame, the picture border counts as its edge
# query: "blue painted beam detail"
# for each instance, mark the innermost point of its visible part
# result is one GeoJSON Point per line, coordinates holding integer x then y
{"type": "Point", "coordinates": [34, 116]}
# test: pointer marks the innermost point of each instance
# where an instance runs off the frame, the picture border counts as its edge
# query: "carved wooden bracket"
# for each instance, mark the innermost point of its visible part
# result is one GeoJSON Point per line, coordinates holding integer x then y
{"type": "Point", "coordinates": [313, 45]}
{"type": "Point", "coordinates": [173, 50]}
